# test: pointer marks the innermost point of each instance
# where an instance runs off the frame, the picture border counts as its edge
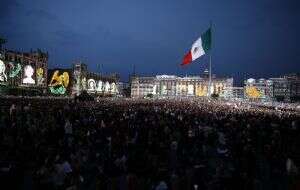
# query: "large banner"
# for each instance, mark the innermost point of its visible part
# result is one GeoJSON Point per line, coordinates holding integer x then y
{"type": "Point", "coordinates": [28, 75]}
{"type": "Point", "coordinates": [40, 76]}
{"type": "Point", "coordinates": [3, 75]}
{"type": "Point", "coordinates": [59, 82]}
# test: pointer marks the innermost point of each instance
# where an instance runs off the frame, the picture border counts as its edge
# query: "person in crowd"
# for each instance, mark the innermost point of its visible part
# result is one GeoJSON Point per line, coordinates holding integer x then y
{"type": "Point", "coordinates": [51, 143]}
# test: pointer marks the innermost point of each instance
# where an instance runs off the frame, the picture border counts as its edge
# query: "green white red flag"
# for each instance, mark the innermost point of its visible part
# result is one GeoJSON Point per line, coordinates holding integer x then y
{"type": "Point", "coordinates": [199, 48]}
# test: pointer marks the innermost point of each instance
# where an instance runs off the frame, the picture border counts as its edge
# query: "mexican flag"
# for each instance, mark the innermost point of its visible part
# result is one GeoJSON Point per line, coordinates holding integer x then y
{"type": "Point", "coordinates": [200, 47]}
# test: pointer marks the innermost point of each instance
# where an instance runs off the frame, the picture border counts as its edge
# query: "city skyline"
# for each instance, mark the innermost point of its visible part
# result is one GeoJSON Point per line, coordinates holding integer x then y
{"type": "Point", "coordinates": [257, 39]}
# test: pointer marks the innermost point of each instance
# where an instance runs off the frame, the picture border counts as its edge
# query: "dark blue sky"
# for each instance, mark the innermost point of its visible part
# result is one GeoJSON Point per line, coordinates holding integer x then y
{"type": "Point", "coordinates": [257, 38]}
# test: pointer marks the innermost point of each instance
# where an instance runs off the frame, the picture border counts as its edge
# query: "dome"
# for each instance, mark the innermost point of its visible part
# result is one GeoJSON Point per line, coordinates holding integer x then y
{"type": "Point", "coordinates": [251, 80]}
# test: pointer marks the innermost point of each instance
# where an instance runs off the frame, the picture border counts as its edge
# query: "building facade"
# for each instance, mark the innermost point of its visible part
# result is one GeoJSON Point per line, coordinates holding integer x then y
{"type": "Point", "coordinates": [174, 86]}
{"type": "Point", "coordinates": [258, 90]}
{"type": "Point", "coordinates": [26, 73]}
{"type": "Point", "coordinates": [281, 90]}
{"type": "Point", "coordinates": [122, 87]}
{"type": "Point", "coordinates": [24, 70]}
{"type": "Point", "coordinates": [93, 83]}
{"type": "Point", "coordinates": [294, 86]}
{"type": "Point", "coordinates": [285, 89]}
{"type": "Point", "coordinates": [233, 93]}
{"type": "Point", "coordinates": [142, 86]}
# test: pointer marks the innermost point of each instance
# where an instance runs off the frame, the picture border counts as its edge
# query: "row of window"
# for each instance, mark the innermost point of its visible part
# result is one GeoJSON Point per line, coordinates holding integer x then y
{"type": "Point", "coordinates": [25, 61]}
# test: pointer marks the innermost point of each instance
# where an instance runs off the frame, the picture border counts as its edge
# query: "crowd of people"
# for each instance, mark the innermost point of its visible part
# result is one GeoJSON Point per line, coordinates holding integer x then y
{"type": "Point", "coordinates": [127, 144]}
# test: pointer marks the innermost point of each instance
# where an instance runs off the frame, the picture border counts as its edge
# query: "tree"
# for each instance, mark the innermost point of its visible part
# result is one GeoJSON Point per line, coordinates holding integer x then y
{"type": "Point", "coordinates": [215, 96]}
{"type": "Point", "coordinates": [149, 95]}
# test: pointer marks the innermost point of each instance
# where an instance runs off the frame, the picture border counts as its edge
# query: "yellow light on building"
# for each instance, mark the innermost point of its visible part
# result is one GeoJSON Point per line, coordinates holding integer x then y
{"type": "Point", "coordinates": [253, 92]}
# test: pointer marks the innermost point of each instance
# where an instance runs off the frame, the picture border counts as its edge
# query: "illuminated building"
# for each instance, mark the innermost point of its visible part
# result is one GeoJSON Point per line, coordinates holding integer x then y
{"type": "Point", "coordinates": [286, 88]}
{"type": "Point", "coordinates": [28, 75]}
{"type": "Point", "coordinates": [93, 83]}
{"type": "Point", "coordinates": [78, 79]}
{"type": "Point", "coordinates": [142, 86]}
{"type": "Point", "coordinates": [258, 90]}
{"type": "Point", "coordinates": [294, 86]}
{"type": "Point", "coordinates": [174, 86]}
{"type": "Point", "coordinates": [122, 88]}
{"type": "Point", "coordinates": [23, 70]}
{"type": "Point", "coordinates": [233, 93]}
{"type": "Point", "coordinates": [281, 90]}
{"type": "Point", "coordinates": [60, 81]}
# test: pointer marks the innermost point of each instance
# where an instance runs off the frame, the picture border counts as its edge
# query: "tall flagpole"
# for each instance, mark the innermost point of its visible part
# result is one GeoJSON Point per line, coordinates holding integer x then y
{"type": "Point", "coordinates": [209, 86]}
{"type": "Point", "coordinates": [209, 91]}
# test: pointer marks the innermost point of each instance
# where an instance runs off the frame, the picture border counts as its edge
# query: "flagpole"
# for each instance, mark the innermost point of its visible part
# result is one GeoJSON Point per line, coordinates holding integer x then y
{"type": "Point", "coordinates": [209, 90]}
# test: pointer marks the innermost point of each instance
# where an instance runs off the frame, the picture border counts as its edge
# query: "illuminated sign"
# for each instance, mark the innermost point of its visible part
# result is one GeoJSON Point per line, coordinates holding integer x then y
{"type": "Point", "coordinates": [83, 83]}
{"type": "Point", "coordinates": [252, 92]}
{"type": "Point", "coordinates": [14, 69]}
{"type": "Point", "coordinates": [100, 86]}
{"type": "Point", "coordinates": [59, 83]}
{"type": "Point", "coordinates": [28, 73]}
{"type": "Point", "coordinates": [154, 89]}
{"type": "Point", "coordinates": [91, 85]}
{"type": "Point", "coordinates": [3, 76]}
{"type": "Point", "coordinates": [107, 87]}
{"type": "Point", "coordinates": [113, 87]}
{"type": "Point", "coordinates": [39, 76]}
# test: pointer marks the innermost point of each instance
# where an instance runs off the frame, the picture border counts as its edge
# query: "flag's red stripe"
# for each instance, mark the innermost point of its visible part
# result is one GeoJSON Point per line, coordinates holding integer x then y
{"type": "Point", "coordinates": [187, 58]}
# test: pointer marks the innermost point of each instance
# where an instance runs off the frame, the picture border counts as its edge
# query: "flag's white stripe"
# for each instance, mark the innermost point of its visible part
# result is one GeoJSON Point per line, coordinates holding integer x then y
{"type": "Point", "coordinates": [197, 49]}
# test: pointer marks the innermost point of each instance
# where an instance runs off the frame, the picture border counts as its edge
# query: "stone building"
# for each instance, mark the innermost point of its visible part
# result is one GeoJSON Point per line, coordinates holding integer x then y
{"type": "Point", "coordinates": [174, 86]}
{"type": "Point", "coordinates": [233, 93]}
{"type": "Point", "coordinates": [258, 90]}
{"type": "Point", "coordinates": [285, 88]}
{"type": "Point", "coordinates": [23, 70]}
{"type": "Point", "coordinates": [281, 90]}
{"type": "Point", "coordinates": [294, 86]}
{"type": "Point", "coordinates": [93, 83]}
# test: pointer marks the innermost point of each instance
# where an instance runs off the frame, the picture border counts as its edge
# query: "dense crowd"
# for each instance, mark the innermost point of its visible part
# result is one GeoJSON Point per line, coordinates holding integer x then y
{"type": "Point", "coordinates": [147, 144]}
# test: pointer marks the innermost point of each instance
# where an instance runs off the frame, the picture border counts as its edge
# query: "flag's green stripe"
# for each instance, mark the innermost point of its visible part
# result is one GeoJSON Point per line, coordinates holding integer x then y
{"type": "Point", "coordinates": [206, 40]}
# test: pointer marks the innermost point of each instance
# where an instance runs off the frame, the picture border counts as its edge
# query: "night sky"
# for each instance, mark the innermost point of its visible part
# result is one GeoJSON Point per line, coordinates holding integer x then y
{"type": "Point", "coordinates": [257, 38]}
